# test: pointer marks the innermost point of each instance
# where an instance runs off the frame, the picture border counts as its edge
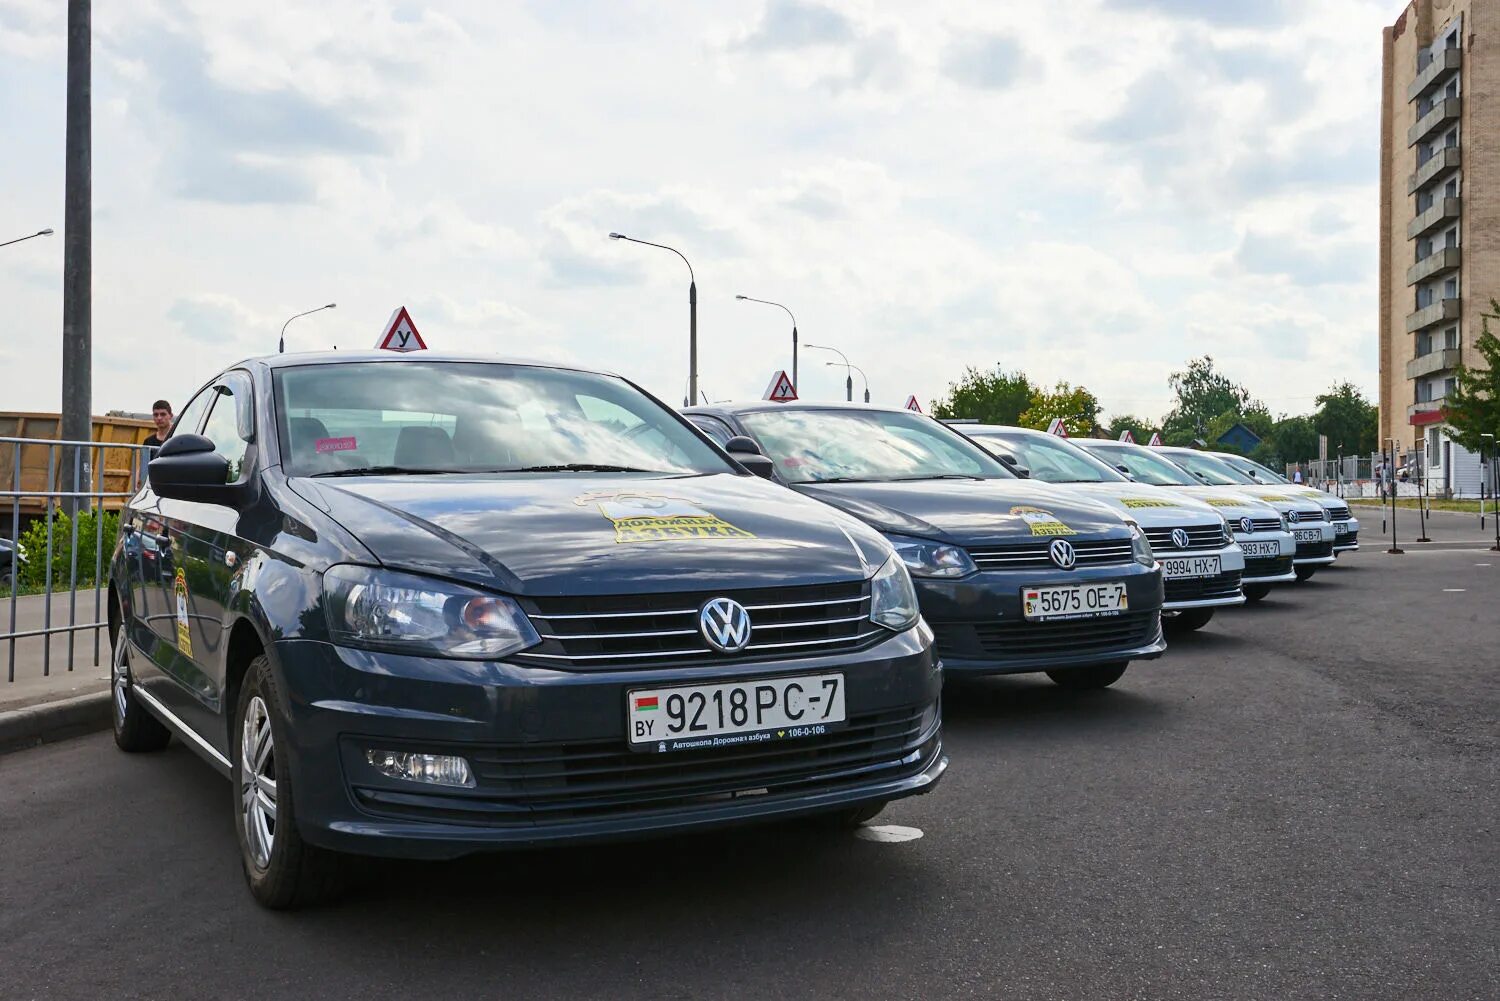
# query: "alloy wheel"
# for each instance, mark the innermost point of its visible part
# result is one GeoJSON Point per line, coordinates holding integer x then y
{"type": "Point", "coordinates": [258, 781]}
{"type": "Point", "coordinates": [120, 680]}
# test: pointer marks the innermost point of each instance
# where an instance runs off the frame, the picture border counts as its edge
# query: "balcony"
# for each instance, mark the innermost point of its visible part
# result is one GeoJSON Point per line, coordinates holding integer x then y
{"type": "Point", "coordinates": [1444, 211]}
{"type": "Point", "coordinates": [1438, 312]}
{"type": "Point", "coordinates": [1428, 412]}
{"type": "Point", "coordinates": [1444, 111]}
{"type": "Point", "coordinates": [1443, 64]}
{"type": "Point", "coordinates": [1437, 167]}
{"type": "Point", "coordinates": [1441, 360]}
{"type": "Point", "coordinates": [1437, 263]}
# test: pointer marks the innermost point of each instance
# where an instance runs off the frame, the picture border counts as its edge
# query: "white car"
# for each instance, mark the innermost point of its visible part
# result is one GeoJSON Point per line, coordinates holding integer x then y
{"type": "Point", "coordinates": [1201, 564]}
{"type": "Point", "coordinates": [1345, 525]}
{"type": "Point", "coordinates": [1309, 522]}
{"type": "Point", "coordinates": [1262, 531]}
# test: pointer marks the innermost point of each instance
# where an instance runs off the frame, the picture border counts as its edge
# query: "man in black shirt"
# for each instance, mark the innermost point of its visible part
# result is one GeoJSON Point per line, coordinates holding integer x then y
{"type": "Point", "coordinates": [161, 413]}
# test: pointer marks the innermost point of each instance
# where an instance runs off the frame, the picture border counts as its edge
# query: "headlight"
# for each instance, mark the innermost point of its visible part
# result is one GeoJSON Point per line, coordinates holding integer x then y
{"type": "Point", "coordinates": [1286, 523]}
{"type": "Point", "coordinates": [1140, 546]}
{"type": "Point", "coordinates": [1228, 530]}
{"type": "Point", "coordinates": [893, 599]}
{"type": "Point", "coordinates": [404, 613]}
{"type": "Point", "coordinates": [925, 558]}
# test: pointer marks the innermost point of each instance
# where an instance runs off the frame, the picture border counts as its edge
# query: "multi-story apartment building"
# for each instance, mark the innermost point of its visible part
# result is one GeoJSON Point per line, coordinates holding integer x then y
{"type": "Point", "coordinates": [1439, 218]}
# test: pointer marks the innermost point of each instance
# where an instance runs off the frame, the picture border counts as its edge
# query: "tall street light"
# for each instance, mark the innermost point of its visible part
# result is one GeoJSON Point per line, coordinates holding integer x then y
{"type": "Point", "coordinates": [33, 236]}
{"type": "Point", "coordinates": [692, 394]}
{"type": "Point", "coordinates": [861, 375]}
{"type": "Point", "coordinates": [848, 375]}
{"type": "Point", "coordinates": [768, 302]}
{"type": "Point", "coordinates": [281, 344]}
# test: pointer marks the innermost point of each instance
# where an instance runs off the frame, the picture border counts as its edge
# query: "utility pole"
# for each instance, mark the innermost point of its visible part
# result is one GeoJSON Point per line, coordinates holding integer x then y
{"type": "Point", "coordinates": [77, 353]}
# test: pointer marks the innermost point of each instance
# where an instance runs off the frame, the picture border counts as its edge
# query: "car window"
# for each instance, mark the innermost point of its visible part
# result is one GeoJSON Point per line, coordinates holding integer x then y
{"type": "Point", "coordinates": [1144, 465]}
{"type": "Point", "coordinates": [191, 417]}
{"type": "Point", "coordinates": [473, 417]}
{"type": "Point", "coordinates": [714, 428]}
{"type": "Point", "coordinates": [1208, 469]}
{"type": "Point", "coordinates": [226, 421]}
{"type": "Point", "coordinates": [1051, 459]}
{"type": "Point", "coordinates": [1254, 470]}
{"type": "Point", "coordinates": [810, 446]}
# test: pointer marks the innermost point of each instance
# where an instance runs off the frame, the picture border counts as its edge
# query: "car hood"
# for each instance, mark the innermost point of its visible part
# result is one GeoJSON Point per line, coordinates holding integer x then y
{"type": "Point", "coordinates": [1229, 501]}
{"type": "Point", "coordinates": [550, 534]}
{"type": "Point", "coordinates": [1151, 507]}
{"type": "Point", "coordinates": [970, 512]}
{"type": "Point", "coordinates": [1281, 498]}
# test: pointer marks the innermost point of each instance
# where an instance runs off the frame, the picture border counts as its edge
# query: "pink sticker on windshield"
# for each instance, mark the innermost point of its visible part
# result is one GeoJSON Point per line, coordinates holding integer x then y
{"type": "Point", "coordinates": [334, 445]}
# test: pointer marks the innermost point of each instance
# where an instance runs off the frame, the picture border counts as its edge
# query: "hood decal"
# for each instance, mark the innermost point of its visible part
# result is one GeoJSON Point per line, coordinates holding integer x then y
{"type": "Point", "coordinates": [639, 517]}
{"type": "Point", "coordinates": [1146, 502]}
{"type": "Point", "coordinates": [1222, 501]}
{"type": "Point", "coordinates": [1042, 522]}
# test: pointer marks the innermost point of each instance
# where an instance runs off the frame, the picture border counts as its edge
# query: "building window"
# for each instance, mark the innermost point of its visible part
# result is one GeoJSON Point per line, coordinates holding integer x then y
{"type": "Point", "coordinates": [1424, 201]}
{"type": "Point", "coordinates": [1450, 238]}
{"type": "Point", "coordinates": [1450, 190]}
{"type": "Point", "coordinates": [1450, 288]}
{"type": "Point", "coordinates": [1450, 140]}
{"type": "Point", "coordinates": [1449, 385]}
{"type": "Point", "coordinates": [1452, 90]}
{"type": "Point", "coordinates": [1424, 248]}
{"type": "Point", "coordinates": [1450, 338]}
{"type": "Point", "coordinates": [1424, 298]}
{"type": "Point", "coordinates": [1434, 445]}
{"type": "Point", "coordinates": [1424, 344]}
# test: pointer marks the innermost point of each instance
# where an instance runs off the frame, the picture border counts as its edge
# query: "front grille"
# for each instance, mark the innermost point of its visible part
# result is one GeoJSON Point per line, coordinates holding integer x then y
{"type": "Point", "coordinates": [1225, 585]}
{"type": "Point", "coordinates": [1267, 566]}
{"type": "Point", "coordinates": [1338, 513]}
{"type": "Point", "coordinates": [1260, 525]}
{"type": "Point", "coordinates": [522, 785]}
{"type": "Point", "coordinates": [635, 630]}
{"type": "Point", "coordinates": [1199, 537]}
{"type": "Point", "coordinates": [1311, 514]}
{"type": "Point", "coordinates": [1021, 640]}
{"type": "Point", "coordinates": [1312, 550]}
{"type": "Point", "coordinates": [1033, 556]}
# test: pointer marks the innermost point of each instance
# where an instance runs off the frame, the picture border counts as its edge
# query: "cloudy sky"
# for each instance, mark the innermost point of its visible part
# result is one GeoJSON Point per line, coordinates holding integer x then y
{"type": "Point", "coordinates": [1091, 190]}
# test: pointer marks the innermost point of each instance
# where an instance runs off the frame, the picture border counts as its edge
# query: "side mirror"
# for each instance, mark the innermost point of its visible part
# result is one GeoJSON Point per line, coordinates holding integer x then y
{"type": "Point", "coordinates": [1011, 463]}
{"type": "Point", "coordinates": [747, 453]}
{"type": "Point", "coordinates": [188, 468]}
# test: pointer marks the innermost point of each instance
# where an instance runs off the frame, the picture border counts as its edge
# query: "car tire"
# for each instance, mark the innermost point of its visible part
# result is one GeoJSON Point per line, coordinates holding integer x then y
{"type": "Point", "coordinates": [1256, 592]}
{"type": "Point", "coordinates": [283, 871]}
{"type": "Point", "coordinates": [136, 730]}
{"type": "Point", "coordinates": [1188, 620]}
{"type": "Point", "coordinates": [1095, 676]}
{"type": "Point", "coordinates": [1305, 573]}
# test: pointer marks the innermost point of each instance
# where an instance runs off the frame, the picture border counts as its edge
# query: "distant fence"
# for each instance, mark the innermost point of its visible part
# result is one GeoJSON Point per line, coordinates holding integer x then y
{"type": "Point", "coordinates": [60, 510]}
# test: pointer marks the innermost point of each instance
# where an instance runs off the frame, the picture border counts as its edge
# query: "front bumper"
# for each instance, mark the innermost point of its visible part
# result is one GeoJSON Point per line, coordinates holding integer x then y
{"type": "Point", "coordinates": [981, 628]}
{"type": "Point", "coordinates": [1318, 553]}
{"type": "Point", "coordinates": [1204, 592]}
{"type": "Point", "coordinates": [550, 756]}
{"type": "Point", "coordinates": [1269, 569]}
{"type": "Point", "coordinates": [1346, 536]}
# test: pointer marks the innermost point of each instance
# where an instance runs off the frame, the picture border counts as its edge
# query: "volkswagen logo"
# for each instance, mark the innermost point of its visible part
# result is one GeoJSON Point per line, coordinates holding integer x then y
{"type": "Point", "coordinates": [1247, 526]}
{"type": "Point", "coordinates": [1062, 553]}
{"type": "Point", "coordinates": [1180, 538]}
{"type": "Point", "coordinates": [725, 625]}
{"type": "Point", "coordinates": [1291, 516]}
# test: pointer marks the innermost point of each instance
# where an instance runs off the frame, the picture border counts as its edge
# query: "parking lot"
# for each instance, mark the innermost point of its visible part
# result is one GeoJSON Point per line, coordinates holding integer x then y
{"type": "Point", "coordinates": [1299, 801]}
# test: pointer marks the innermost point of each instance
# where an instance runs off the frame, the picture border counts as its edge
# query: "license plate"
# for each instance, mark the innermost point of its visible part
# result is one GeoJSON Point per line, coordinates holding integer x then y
{"type": "Point", "coordinates": [1341, 528]}
{"type": "Point", "coordinates": [1178, 567]}
{"type": "Point", "coordinates": [1308, 535]}
{"type": "Point", "coordinates": [1261, 548]}
{"type": "Point", "coordinates": [1077, 601]}
{"type": "Point", "coordinates": [735, 713]}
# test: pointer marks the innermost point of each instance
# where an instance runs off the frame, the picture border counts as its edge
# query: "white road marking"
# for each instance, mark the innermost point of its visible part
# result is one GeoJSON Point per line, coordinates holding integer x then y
{"type": "Point", "coordinates": [887, 833]}
{"type": "Point", "coordinates": [1454, 590]}
{"type": "Point", "coordinates": [1481, 564]}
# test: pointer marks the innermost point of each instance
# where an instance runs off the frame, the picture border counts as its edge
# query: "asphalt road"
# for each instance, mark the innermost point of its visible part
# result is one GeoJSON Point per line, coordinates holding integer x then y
{"type": "Point", "coordinates": [1299, 802]}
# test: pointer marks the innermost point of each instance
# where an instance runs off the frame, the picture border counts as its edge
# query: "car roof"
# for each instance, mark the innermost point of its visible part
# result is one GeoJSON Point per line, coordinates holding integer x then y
{"type": "Point", "coordinates": [764, 406]}
{"type": "Point", "coordinates": [296, 359]}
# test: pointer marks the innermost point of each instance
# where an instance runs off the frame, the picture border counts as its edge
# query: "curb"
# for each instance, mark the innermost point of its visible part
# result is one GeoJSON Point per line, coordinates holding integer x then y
{"type": "Point", "coordinates": [40, 724]}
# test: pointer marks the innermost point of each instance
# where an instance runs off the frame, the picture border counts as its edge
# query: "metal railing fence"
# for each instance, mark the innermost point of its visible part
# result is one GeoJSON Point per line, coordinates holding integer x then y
{"type": "Point", "coordinates": [52, 483]}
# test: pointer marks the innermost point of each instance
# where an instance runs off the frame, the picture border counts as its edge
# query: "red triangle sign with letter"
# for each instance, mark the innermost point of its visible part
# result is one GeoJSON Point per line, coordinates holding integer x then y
{"type": "Point", "coordinates": [1155, 439]}
{"type": "Point", "coordinates": [912, 404]}
{"type": "Point", "coordinates": [400, 333]}
{"type": "Point", "coordinates": [1127, 437]}
{"type": "Point", "coordinates": [781, 389]}
{"type": "Point", "coordinates": [1058, 428]}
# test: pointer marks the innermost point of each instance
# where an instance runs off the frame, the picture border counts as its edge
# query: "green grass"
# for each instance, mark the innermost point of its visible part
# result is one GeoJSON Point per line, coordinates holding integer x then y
{"type": "Point", "coordinates": [1435, 504]}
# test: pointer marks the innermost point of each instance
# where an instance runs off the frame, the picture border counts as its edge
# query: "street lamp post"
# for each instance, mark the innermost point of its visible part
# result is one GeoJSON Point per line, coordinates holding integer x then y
{"type": "Point", "coordinates": [692, 394]}
{"type": "Point", "coordinates": [768, 302]}
{"type": "Point", "coordinates": [848, 374]}
{"type": "Point", "coordinates": [1494, 481]}
{"type": "Point", "coordinates": [32, 236]}
{"type": "Point", "coordinates": [1395, 549]}
{"type": "Point", "coordinates": [281, 344]}
{"type": "Point", "coordinates": [861, 375]}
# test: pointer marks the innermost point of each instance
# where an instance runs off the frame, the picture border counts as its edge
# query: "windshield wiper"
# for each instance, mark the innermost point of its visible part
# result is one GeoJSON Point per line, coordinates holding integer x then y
{"type": "Point", "coordinates": [579, 467]}
{"type": "Point", "coordinates": [936, 476]}
{"type": "Point", "coordinates": [387, 471]}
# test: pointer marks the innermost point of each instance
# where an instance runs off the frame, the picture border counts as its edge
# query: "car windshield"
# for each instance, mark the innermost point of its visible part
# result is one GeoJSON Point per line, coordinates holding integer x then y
{"type": "Point", "coordinates": [454, 417]}
{"type": "Point", "coordinates": [1143, 465]}
{"type": "Point", "coordinates": [1214, 472]}
{"type": "Point", "coordinates": [1254, 469]}
{"type": "Point", "coordinates": [822, 446]}
{"type": "Point", "coordinates": [1050, 458]}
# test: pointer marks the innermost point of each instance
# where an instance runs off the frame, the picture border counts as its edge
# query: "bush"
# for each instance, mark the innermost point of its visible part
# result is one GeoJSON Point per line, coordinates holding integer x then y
{"type": "Point", "coordinates": [32, 574]}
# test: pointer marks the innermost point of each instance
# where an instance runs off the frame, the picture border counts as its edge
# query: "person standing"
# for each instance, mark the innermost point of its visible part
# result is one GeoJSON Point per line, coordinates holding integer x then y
{"type": "Point", "coordinates": [161, 415]}
{"type": "Point", "coordinates": [1297, 475]}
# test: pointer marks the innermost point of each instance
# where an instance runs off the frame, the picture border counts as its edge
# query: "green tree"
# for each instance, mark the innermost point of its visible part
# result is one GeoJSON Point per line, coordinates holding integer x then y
{"type": "Point", "coordinates": [1074, 404]}
{"type": "Point", "coordinates": [1350, 421]}
{"type": "Point", "coordinates": [1203, 396]}
{"type": "Point", "coordinates": [995, 397]}
{"type": "Point", "coordinates": [1474, 407]}
{"type": "Point", "coordinates": [32, 574]}
{"type": "Point", "coordinates": [1295, 439]}
{"type": "Point", "coordinates": [1139, 427]}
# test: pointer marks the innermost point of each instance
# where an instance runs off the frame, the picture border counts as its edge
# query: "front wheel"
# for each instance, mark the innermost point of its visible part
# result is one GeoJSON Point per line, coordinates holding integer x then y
{"type": "Point", "coordinates": [1305, 573]}
{"type": "Point", "coordinates": [1097, 676]}
{"type": "Point", "coordinates": [1256, 592]}
{"type": "Point", "coordinates": [283, 871]}
{"type": "Point", "coordinates": [1188, 620]}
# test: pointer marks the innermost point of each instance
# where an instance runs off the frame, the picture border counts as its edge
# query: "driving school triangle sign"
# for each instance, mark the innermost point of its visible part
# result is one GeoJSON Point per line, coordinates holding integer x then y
{"type": "Point", "coordinates": [1155, 439]}
{"type": "Point", "coordinates": [1127, 437]}
{"type": "Point", "coordinates": [912, 404]}
{"type": "Point", "coordinates": [781, 389]}
{"type": "Point", "coordinates": [400, 333]}
{"type": "Point", "coordinates": [1058, 428]}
